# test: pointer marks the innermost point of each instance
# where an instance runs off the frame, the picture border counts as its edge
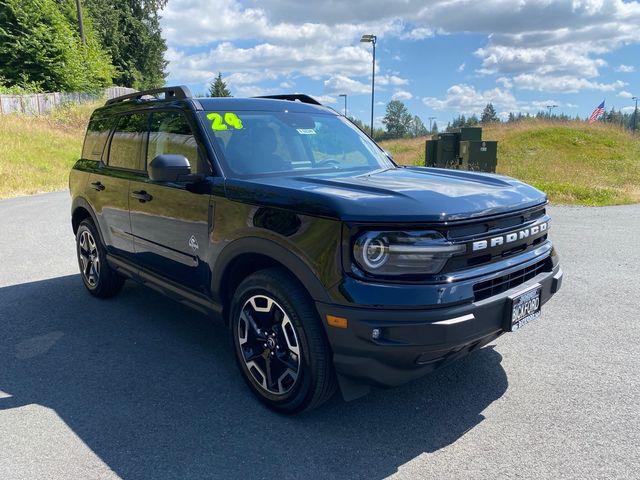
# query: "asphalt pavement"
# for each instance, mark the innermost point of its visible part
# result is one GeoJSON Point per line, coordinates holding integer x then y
{"type": "Point", "coordinates": [142, 387]}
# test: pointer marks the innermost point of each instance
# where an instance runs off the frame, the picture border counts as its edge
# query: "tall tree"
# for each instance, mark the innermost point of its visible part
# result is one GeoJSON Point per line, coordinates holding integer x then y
{"type": "Point", "coordinates": [417, 127]}
{"type": "Point", "coordinates": [434, 128]}
{"type": "Point", "coordinates": [130, 31]}
{"type": "Point", "coordinates": [40, 46]}
{"type": "Point", "coordinates": [218, 87]}
{"type": "Point", "coordinates": [397, 119]}
{"type": "Point", "coordinates": [489, 114]}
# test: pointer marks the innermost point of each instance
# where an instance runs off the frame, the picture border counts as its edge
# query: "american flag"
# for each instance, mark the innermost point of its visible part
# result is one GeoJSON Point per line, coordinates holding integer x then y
{"type": "Point", "coordinates": [597, 112]}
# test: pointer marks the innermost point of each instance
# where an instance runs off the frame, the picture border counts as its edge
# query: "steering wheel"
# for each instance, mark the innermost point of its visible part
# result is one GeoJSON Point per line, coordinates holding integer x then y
{"type": "Point", "coordinates": [329, 162]}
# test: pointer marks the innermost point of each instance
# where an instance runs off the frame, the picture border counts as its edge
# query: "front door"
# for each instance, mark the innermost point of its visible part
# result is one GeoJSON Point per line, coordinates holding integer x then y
{"type": "Point", "coordinates": [171, 224]}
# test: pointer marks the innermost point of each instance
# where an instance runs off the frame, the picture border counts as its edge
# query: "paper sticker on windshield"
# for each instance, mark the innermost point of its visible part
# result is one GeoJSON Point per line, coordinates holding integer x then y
{"type": "Point", "coordinates": [230, 119]}
{"type": "Point", "coordinates": [306, 131]}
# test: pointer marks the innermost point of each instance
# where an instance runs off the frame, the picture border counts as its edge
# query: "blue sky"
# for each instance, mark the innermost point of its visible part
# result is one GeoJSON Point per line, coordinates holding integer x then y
{"type": "Point", "coordinates": [441, 58]}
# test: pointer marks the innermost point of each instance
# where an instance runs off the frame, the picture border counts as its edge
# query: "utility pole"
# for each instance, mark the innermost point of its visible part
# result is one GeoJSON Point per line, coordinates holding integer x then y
{"type": "Point", "coordinates": [550, 107]}
{"type": "Point", "coordinates": [80, 23]}
{"type": "Point", "coordinates": [372, 40]}
{"type": "Point", "coordinates": [430, 120]}
{"type": "Point", "coordinates": [635, 114]}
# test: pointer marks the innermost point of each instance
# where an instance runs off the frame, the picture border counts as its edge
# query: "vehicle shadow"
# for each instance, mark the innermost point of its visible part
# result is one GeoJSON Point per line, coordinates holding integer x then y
{"type": "Point", "coordinates": [150, 387]}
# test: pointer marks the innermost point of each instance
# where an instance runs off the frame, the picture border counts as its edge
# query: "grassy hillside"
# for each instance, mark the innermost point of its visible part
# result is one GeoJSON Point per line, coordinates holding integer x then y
{"type": "Point", "coordinates": [573, 162]}
{"type": "Point", "coordinates": [36, 153]}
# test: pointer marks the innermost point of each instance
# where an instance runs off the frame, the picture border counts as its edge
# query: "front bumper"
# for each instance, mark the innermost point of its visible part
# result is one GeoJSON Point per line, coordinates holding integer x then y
{"type": "Point", "coordinates": [414, 342]}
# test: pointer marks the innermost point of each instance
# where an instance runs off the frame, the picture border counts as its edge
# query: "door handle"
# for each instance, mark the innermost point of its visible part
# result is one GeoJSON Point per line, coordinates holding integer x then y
{"type": "Point", "coordinates": [98, 186]}
{"type": "Point", "coordinates": [142, 196]}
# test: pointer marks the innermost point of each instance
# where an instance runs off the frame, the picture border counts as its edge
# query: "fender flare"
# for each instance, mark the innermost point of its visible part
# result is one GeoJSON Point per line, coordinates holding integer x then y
{"type": "Point", "coordinates": [80, 202]}
{"type": "Point", "coordinates": [281, 254]}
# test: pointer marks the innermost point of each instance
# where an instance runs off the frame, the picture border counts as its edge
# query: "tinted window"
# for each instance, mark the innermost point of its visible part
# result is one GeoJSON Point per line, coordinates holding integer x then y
{"type": "Point", "coordinates": [127, 142]}
{"type": "Point", "coordinates": [256, 143]}
{"type": "Point", "coordinates": [97, 134]}
{"type": "Point", "coordinates": [170, 133]}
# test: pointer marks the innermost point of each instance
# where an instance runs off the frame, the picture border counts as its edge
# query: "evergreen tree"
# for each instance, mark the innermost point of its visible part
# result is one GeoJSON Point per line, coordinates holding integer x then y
{"type": "Point", "coordinates": [130, 32]}
{"type": "Point", "coordinates": [417, 127]}
{"type": "Point", "coordinates": [218, 88]}
{"type": "Point", "coordinates": [473, 120]}
{"type": "Point", "coordinates": [489, 114]}
{"type": "Point", "coordinates": [434, 128]}
{"type": "Point", "coordinates": [40, 47]}
{"type": "Point", "coordinates": [397, 119]}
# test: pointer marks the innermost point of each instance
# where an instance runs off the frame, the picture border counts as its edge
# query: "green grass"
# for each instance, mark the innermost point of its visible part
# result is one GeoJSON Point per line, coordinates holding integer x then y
{"type": "Point", "coordinates": [36, 153]}
{"type": "Point", "coordinates": [573, 163]}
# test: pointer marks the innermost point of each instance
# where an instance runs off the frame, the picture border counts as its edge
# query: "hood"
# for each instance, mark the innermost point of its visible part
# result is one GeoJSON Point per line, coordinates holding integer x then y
{"type": "Point", "coordinates": [410, 194]}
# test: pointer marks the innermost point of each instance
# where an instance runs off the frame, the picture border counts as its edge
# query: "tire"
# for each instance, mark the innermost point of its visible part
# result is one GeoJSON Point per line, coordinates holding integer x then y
{"type": "Point", "coordinates": [274, 322]}
{"type": "Point", "coordinates": [98, 277]}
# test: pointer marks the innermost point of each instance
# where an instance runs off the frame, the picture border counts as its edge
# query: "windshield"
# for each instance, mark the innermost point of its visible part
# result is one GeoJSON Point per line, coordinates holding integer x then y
{"type": "Point", "coordinates": [254, 143]}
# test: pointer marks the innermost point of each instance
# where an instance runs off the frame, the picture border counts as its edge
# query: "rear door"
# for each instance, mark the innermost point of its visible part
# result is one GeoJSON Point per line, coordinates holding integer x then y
{"type": "Point", "coordinates": [171, 224]}
{"type": "Point", "coordinates": [108, 188]}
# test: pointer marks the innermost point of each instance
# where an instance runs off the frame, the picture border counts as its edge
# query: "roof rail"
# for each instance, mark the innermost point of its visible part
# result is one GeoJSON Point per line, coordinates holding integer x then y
{"type": "Point", "coordinates": [178, 93]}
{"type": "Point", "coordinates": [293, 97]}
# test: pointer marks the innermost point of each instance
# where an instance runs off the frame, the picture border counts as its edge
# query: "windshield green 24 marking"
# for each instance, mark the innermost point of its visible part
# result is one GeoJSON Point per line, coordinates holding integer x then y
{"type": "Point", "coordinates": [230, 120]}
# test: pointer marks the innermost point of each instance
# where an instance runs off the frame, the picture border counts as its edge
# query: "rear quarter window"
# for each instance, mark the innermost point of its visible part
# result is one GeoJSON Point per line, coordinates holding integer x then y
{"type": "Point", "coordinates": [96, 137]}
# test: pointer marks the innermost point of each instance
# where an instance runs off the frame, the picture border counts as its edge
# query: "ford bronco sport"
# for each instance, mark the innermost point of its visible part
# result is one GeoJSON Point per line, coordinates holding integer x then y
{"type": "Point", "coordinates": [331, 265]}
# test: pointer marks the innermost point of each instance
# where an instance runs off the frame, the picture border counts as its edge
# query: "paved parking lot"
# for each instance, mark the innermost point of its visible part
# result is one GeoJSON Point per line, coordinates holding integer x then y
{"type": "Point", "coordinates": [143, 387]}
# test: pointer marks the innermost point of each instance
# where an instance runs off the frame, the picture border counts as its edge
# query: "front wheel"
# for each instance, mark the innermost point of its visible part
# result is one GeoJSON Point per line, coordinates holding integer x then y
{"type": "Point", "coordinates": [279, 343]}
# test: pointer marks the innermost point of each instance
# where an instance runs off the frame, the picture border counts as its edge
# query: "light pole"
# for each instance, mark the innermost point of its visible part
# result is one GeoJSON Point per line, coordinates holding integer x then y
{"type": "Point", "coordinates": [550, 107]}
{"type": "Point", "coordinates": [345, 102]}
{"type": "Point", "coordinates": [372, 40]}
{"type": "Point", "coordinates": [430, 120]}
{"type": "Point", "coordinates": [80, 23]}
{"type": "Point", "coordinates": [635, 113]}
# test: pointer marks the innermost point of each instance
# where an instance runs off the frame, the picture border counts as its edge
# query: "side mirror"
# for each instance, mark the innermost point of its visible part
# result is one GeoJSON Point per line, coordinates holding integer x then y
{"type": "Point", "coordinates": [169, 167]}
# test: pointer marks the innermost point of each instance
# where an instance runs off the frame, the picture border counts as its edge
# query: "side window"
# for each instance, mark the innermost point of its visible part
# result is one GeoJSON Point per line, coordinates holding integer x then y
{"type": "Point", "coordinates": [127, 142]}
{"type": "Point", "coordinates": [96, 137]}
{"type": "Point", "coordinates": [170, 133]}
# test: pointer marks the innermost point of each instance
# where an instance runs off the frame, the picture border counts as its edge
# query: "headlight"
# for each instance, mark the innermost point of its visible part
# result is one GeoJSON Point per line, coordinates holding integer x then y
{"type": "Point", "coordinates": [403, 253]}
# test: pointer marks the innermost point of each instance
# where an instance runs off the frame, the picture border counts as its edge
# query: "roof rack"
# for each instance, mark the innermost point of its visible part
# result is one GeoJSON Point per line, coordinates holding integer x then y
{"type": "Point", "coordinates": [174, 93]}
{"type": "Point", "coordinates": [293, 97]}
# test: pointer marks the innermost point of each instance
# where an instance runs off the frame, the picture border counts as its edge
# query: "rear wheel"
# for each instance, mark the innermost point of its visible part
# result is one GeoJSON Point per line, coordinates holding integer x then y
{"type": "Point", "coordinates": [99, 278]}
{"type": "Point", "coordinates": [279, 343]}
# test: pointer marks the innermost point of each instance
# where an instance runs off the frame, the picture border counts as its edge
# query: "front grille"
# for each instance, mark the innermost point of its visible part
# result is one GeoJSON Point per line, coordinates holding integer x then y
{"type": "Point", "coordinates": [498, 285]}
{"type": "Point", "coordinates": [488, 228]}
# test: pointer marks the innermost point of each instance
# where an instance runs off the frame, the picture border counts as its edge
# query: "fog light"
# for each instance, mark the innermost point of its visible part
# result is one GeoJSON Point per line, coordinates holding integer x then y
{"type": "Point", "coordinates": [376, 333]}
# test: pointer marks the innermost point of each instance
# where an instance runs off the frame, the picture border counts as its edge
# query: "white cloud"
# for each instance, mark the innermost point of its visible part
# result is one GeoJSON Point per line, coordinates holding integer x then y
{"type": "Point", "coordinates": [338, 84]}
{"type": "Point", "coordinates": [505, 82]}
{"type": "Point", "coordinates": [419, 33]}
{"type": "Point", "coordinates": [461, 67]}
{"type": "Point", "coordinates": [390, 80]}
{"type": "Point", "coordinates": [325, 99]}
{"type": "Point", "coordinates": [627, 109]}
{"type": "Point", "coordinates": [401, 95]}
{"type": "Point", "coordinates": [562, 84]}
{"type": "Point", "coordinates": [625, 94]}
{"type": "Point", "coordinates": [466, 99]}
{"type": "Point", "coordinates": [622, 68]}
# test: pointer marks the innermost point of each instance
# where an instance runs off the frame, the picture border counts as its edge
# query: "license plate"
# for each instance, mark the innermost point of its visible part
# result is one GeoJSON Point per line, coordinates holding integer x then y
{"type": "Point", "coordinates": [524, 308]}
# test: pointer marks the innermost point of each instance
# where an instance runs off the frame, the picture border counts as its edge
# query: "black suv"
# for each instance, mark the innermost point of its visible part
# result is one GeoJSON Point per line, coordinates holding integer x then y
{"type": "Point", "coordinates": [331, 265]}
